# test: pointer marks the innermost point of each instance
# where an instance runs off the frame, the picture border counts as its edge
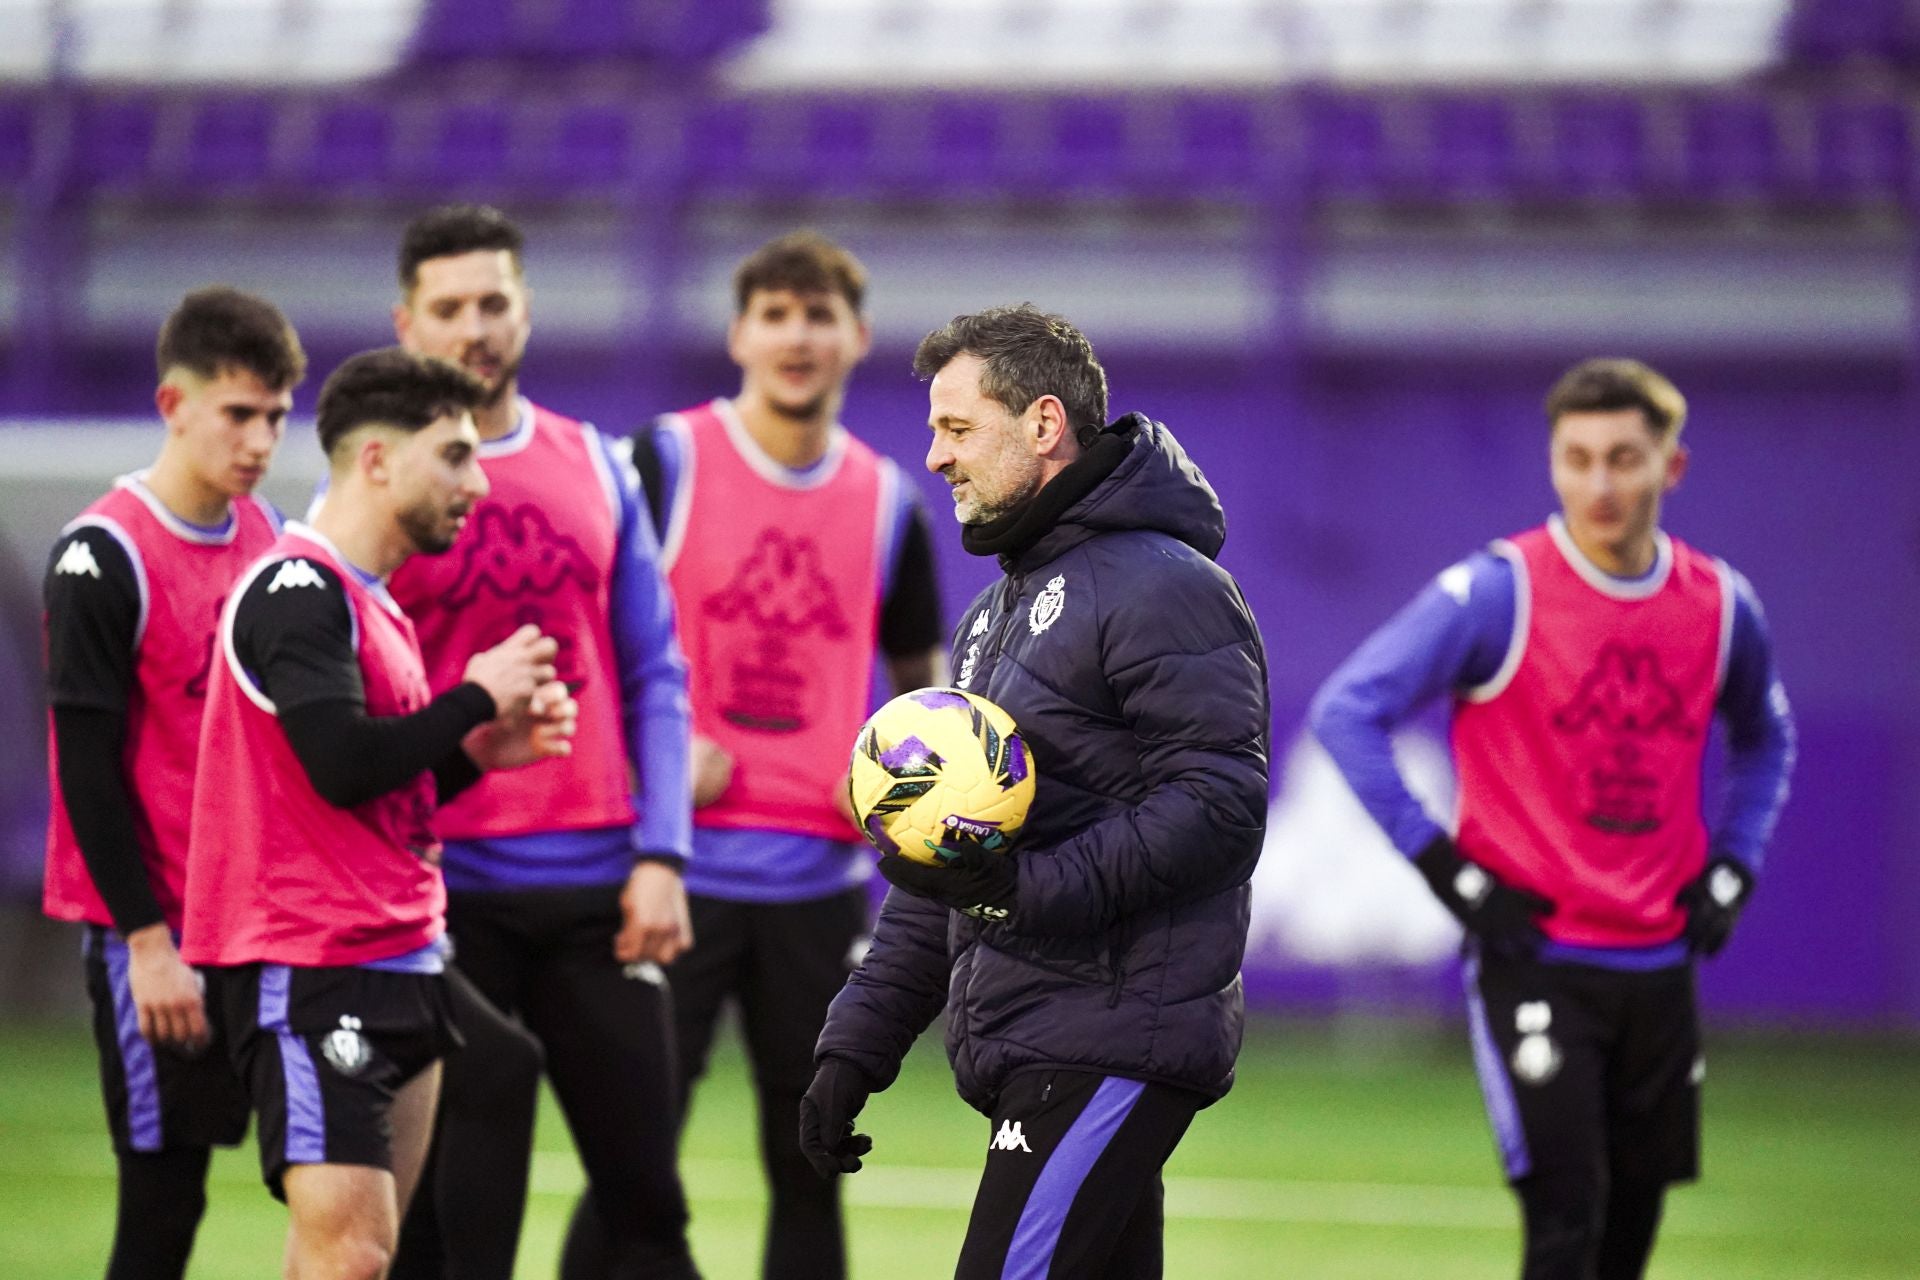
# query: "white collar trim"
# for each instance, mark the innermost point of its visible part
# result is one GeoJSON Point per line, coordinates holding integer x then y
{"type": "Point", "coordinates": [136, 484]}
{"type": "Point", "coordinates": [1606, 584]}
{"type": "Point", "coordinates": [810, 477]}
{"type": "Point", "coordinates": [515, 440]}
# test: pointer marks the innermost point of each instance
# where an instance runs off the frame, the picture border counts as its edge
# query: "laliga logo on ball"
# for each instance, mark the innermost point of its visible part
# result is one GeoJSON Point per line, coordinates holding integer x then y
{"type": "Point", "coordinates": [936, 770]}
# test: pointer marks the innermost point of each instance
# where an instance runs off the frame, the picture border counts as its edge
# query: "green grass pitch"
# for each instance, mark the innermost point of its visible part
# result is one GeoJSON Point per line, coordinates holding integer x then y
{"type": "Point", "coordinates": [1330, 1161]}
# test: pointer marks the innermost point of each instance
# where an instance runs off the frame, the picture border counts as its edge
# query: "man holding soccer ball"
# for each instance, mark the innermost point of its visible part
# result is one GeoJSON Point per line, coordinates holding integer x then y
{"type": "Point", "coordinates": [1095, 998]}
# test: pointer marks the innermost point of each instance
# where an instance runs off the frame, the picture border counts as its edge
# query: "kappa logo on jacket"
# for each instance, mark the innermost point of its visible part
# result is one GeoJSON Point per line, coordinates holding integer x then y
{"type": "Point", "coordinates": [1010, 1138]}
{"type": "Point", "coordinates": [981, 621]}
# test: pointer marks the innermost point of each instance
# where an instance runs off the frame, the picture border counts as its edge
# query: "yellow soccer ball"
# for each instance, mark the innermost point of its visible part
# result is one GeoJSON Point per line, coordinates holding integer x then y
{"type": "Point", "coordinates": [939, 767]}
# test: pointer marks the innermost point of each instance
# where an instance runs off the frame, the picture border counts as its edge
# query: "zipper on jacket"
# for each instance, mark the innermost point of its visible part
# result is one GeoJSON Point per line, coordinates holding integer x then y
{"type": "Point", "coordinates": [1119, 980]}
{"type": "Point", "coordinates": [996, 639]}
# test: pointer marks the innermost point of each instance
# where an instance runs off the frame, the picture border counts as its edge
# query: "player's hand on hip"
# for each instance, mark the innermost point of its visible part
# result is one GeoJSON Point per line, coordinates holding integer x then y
{"type": "Point", "coordinates": [1713, 901]}
{"type": "Point", "coordinates": [166, 992]}
{"type": "Point", "coordinates": [1504, 917]}
{"type": "Point", "coordinates": [541, 729]}
{"type": "Point", "coordinates": [712, 770]}
{"type": "Point", "coordinates": [654, 921]}
{"type": "Point", "coordinates": [514, 668]}
{"type": "Point", "coordinates": [835, 1097]}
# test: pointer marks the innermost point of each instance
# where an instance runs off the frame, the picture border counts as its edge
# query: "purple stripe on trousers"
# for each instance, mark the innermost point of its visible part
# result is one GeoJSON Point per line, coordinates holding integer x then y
{"type": "Point", "coordinates": [136, 1055]}
{"type": "Point", "coordinates": [1496, 1086]}
{"type": "Point", "coordinates": [1037, 1234]}
{"type": "Point", "coordinates": [306, 1141]}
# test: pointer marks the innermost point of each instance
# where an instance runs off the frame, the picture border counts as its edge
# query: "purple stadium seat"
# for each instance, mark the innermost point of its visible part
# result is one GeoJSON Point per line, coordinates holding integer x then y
{"type": "Point", "coordinates": [1470, 147]}
{"type": "Point", "coordinates": [470, 146]}
{"type": "Point", "coordinates": [1732, 147]}
{"type": "Point", "coordinates": [840, 154]}
{"type": "Point", "coordinates": [965, 137]}
{"type": "Point", "coordinates": [17, 118]}
{"type": "Point", "coordinates": [231, 141]}
{"type": "Point", "coordinates": [592, 147]}
{"type": "Point", "coordinates": [352, 146]}
{"type": "Point", "coordinates": [113, 140]}
{"type": "Point", "coordinates": [1219, 144]}
{"type": "Point", "coordinates": [1345, 142]}
{"type": "Point", "coordinates": [1864, 149]}
{"type": "Point", "coordinates": [716, 144]}
{"type": "Point", "coordinates": [1089, 146]}
{"type": "Point", "coordinates": [1599, 146]}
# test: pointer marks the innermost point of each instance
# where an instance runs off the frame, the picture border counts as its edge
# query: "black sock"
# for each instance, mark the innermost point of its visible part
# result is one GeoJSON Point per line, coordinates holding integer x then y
{"type": "Point", "coordinates": [1633, 1216]}
{"type": "Point", "coordinates": [162, 1195]}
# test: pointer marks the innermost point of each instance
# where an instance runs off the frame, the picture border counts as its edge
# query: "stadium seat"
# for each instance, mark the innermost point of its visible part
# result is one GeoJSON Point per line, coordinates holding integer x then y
{"type": "Point", "coordinates": [352, 146]}
{"type": "Point", "coordinates": [1598, 147]}
{"type": "Point", "coordinates": [1470, 147]}
{"type": "Point", "coordinates": [470, 148]}
{"type": "Point", "coordinates": [17, 129]}
{"type": "Point", "coordinates": [839, 147]}
{"type": "Point", "coordinates": [1218, 145]}
{"type": "Point", "coordinates": [1346, 145]}
{"type": "Point", "coordinates": [1089, 152]}
{"type": "Point", "coordinates": [965, 138]}
{"type": "Point", "coordinates": [1732, 147]}
{"type": "Point", "coordinates": [592, 148]}
{"type": "Point", "coordinates": [231, 143]}
{"type": "Point", "coordinates": [113, 140]}
{"type": "Point", "coordinates": [1864, 150]}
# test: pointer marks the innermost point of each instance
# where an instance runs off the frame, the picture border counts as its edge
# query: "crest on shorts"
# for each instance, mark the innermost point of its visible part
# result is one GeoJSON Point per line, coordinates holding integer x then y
{"type": "Point", "coordinates": [346, 1048]}
{"type": "Point", "coordinates": [1536, 1059]}
{"type": "Point", "coordinates": [1048, 605]}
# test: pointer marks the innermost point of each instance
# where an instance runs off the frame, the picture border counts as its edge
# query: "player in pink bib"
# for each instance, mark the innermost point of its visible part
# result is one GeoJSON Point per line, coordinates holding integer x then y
{"type": "Point", "coordinates": [313, 880]}
{"type": "Point", "coordinates": [799, 562]}
{"type": "Point", "coordinates": [134, 590]}
{"type": "Point", "coordinates": [1586, 660]}
{"type": "Point", "coordinates": [563, 882]}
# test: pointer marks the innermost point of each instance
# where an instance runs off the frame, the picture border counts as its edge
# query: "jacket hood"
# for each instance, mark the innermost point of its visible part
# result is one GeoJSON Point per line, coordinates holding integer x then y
{"type": "Point", "coordinates": [1154, 487]}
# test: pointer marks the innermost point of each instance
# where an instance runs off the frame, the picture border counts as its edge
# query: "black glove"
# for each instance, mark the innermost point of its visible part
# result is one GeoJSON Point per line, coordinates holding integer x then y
{"type": "Point", "coordinates": [1503, 917]}
{"type": "Point", "coordinates": [973, 882]}
{"type": "Point", "coordinates": [834, 1098]}
{"type": "Point", "coordinates": [1713, 901]}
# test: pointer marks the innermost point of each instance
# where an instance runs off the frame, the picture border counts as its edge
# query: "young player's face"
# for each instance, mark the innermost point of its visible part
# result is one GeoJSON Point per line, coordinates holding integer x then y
{"type": "Point", "coordinates": [228, 425]}
{"type": "Point", "coordinates": [437, 479]}
{"type": "Point", "coordinates": [984, 453]}
{"type": "Point", "coordinates": [795, 350]}
{"type": "Point", "coordinates": [469, 309]}
{"type": "Point", "coordinates": [1611, 471]}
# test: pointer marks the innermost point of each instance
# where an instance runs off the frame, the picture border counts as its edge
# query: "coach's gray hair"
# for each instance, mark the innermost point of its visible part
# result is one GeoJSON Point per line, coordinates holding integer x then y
{"type": "Point", "coordinates": [1027, 353]}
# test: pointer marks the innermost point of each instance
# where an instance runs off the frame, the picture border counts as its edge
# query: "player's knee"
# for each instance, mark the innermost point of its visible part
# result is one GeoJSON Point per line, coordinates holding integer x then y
{"type": "Point", "coordinates": [353, 1257]}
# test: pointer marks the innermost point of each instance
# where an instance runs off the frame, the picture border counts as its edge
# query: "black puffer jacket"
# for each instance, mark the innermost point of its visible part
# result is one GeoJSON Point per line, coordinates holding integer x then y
{"type": "Point", "coordinates": [1134, 669]}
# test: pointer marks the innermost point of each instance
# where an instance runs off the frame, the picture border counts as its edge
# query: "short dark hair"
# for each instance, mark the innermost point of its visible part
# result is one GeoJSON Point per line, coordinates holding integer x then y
{"type": "Point", "coordinates": [454, 229]}
{"type": "Point", "coordinates": [220, 327]}
{"type": "Point", "coordinates": [1028, 353]}
{"type": "Point", "coordinates": [1608, 385]}
{"type": "Point", "coordinates": [805, 262]}
{"type": "Point", "coordinates": [392, 388]}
